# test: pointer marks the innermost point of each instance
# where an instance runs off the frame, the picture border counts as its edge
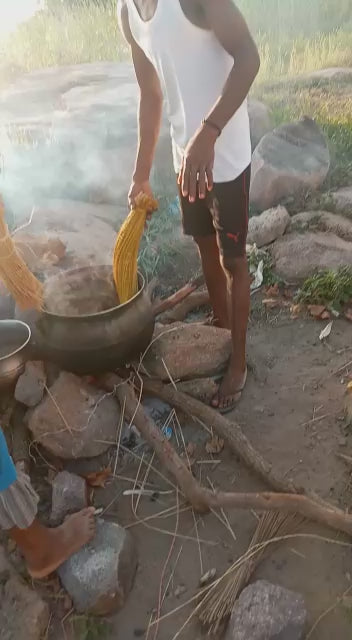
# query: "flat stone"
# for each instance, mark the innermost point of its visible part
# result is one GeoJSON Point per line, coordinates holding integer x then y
{"type": "Point", "coordinates": [267, 612]}
{"type": "Point", "coordinates": [100, 576]}
{"type": "Point", "coordinates": [187, 351]}
{"type": "Point", "coordinates": [268, 226]}
{"type": "Point", "coordinates": [89, 424]}
{"type": "Point", "coordinates": [322, 221]}
{"type": "Point", "coordinates": [299, 255]}
{"type": "Point", "coordinates": [287, 162]}
{"type": "Point", "coordinates": [30, 385]}
{"type": "Point", "coordinates": [69, 496]}
{"type": "Point", "coordinates": [342, 200]}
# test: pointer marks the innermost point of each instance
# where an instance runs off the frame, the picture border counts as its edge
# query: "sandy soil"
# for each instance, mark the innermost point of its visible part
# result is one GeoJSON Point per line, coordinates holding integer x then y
{"type": "Point", "coordinates": [292, 411]}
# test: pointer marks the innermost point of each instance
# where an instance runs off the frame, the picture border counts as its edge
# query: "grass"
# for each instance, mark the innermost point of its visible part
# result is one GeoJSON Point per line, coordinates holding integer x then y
{"type": "Point", "coordinates": [330, 288]}
{"type": "Point", "coordinates": [293, 36]}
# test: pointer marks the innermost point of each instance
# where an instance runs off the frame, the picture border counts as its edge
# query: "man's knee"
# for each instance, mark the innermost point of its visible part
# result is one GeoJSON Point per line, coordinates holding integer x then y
{"type": "Point", "coordinates": [235, 266]}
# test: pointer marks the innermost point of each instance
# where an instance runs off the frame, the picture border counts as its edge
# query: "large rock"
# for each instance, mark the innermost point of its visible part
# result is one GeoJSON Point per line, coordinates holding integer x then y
{"type": "Point", "coordinates": [75, 420]}
{"type": "Point", "coordinates": [298, 255]}
{"type": "Point", "coordinates": [292, 159]}
{"type": "Point", "coordinates": [23, 613]}
{"type": "Point", "coordinates": [270, 225]}
{"type": "Point", "coordinates": [259, 119]}
{"type": "Point", "coordinates": [322, 221]}
{"type": "Point", "coordinates": [100, 576]}
{"type": "Point", "coordinates": [267, 612]}
{"type": "Point", "coordinates": [69, 495]}
{"type": "Point", "coordinates": [79, 125]}
{"type": "Point", "coordinates": [342, 200]}
{"type": "Point", "coordinates": [187, 351]}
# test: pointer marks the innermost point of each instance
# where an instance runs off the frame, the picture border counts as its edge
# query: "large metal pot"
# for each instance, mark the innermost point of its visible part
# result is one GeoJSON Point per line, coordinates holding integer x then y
{"type": "Point", "coordinates": [95, 342]}
{"type": "Point", "coordinates": [15, 339]}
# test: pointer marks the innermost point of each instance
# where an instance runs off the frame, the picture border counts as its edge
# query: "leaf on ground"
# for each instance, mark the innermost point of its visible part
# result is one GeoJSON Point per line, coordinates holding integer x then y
{"type": "Point", "coordinates": [326, 332]}
{"type": "Point", "coordinates": [215, 445]}
{"type": "Point", "coordinates": [316, 310]}
{"type": "Point", "coordinates": [98, 478]}
{"type": "Point", "coordinates": [349, 386]}
{"type": "Point", "coordinates": [348, 314]}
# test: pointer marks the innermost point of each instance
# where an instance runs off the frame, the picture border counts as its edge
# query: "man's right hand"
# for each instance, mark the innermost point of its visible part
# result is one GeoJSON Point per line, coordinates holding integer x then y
{"type": "Point", "coordinates": [136, 189]}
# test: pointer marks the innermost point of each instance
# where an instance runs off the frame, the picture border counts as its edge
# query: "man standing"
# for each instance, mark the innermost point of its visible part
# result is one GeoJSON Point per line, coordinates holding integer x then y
{"type": "Point", "coordinates": [199, 56]}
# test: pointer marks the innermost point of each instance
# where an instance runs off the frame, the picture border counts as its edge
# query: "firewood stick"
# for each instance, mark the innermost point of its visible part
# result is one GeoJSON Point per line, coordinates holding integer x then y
{"type": "Point", "coordinates": [150, 432]}
{"type": "Point", "coordinates": [169, 303]}
{"type": "Point", "coordinates": [182, 309]}
{"type": "Point", "coordinates": [203, 499]}
{"type": "Point", "coordinates": [231, 432]}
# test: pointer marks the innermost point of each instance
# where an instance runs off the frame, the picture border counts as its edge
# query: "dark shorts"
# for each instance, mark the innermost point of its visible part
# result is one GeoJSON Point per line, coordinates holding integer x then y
{"type": "Point", "coordinates": [224, 212]}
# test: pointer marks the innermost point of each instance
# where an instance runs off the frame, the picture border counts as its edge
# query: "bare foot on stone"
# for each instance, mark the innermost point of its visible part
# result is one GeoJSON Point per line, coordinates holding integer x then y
{"type": "Point", "coordinates": [230, 389]}
{"type": "Point", "coordinates": [61, 543]}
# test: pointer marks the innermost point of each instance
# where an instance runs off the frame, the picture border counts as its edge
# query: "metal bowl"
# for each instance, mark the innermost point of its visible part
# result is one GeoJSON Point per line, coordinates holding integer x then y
{"type": "Point", "coordinates": [15, 337]}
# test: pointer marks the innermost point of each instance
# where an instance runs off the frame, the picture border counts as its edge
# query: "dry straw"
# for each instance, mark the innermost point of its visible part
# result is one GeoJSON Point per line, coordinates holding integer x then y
{"type": "Point", "coordinates": [17, 278]}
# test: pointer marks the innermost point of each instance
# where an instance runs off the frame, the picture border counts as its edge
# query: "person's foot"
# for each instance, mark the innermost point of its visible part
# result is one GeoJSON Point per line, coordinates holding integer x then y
{"type": "Point", "coordinates": [230, 389]}
{"type": "Point", "coordinates": [62, 543]}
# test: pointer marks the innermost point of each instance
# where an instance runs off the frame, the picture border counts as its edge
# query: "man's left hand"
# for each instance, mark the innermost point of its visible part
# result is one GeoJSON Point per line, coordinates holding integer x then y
{"type": "Point", "coordinates": [196, 175]}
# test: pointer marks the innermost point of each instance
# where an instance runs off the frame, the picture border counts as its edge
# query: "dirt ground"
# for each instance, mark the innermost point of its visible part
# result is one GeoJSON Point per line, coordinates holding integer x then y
{"type": "Point", "coordinates": [292, 411]}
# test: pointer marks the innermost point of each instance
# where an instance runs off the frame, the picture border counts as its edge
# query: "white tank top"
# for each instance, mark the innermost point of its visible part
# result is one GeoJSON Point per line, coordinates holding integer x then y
{"type": "Point", "coordinates": [193, 68]}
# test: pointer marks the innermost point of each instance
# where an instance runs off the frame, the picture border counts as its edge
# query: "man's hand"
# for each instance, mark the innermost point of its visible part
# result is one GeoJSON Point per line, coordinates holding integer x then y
{"type": "Point", "coordinates": [196, 175]}
{"type": "Point", "coordinates": [136, 188]}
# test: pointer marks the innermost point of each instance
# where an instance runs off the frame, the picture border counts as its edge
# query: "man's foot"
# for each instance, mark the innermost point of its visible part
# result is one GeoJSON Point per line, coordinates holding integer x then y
{"type": "Point", "coordinates": [61, 543]}
{"type": "Point", "coordinates": [230, 390]}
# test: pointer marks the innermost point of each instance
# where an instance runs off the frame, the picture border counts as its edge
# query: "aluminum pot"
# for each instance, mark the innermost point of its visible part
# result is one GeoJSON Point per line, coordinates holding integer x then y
{"type": "Point", "coordinates": [95, 342]}
{"type": "Point", "coordinates": [15, 337]}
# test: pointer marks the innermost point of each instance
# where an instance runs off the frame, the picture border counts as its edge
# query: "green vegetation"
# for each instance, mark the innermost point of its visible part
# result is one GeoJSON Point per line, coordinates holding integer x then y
{"type": "Point", "coordinates": [89, 628]}
{"type": "Point", "coordinates": [330, 288]}
{"type": "Point", "coordinates": [294, 36]}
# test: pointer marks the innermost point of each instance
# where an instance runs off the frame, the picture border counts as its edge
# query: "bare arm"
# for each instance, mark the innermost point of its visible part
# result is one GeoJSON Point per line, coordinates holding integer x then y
{"type": "Point", "coordinates": [227, 23]}
{"type": "Point", "coordinates": [150, 110]}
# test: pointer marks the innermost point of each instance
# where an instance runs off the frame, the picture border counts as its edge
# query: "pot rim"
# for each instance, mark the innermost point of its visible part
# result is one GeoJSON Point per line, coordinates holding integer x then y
{"type": "Point", "coordinates": [25, 343]}
{"type": "Point", "coordinates": [86, 316]}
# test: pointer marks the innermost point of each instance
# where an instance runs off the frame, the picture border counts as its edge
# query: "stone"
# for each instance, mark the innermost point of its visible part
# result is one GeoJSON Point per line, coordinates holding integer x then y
{"type": "Point", "coordinates": [30, 385]}
{"type": "Point", "coordinates": [268, 226]}
{"type": "Point", "coordinates": [342, 200]}
{"type": "Point", "coordinates": [322, 221]}
{"type": "Point", "coordinates": [23, 613]}
{"type": "Point", "coordinates": [74, 420]}
{"type": "Point", "coordinates": [259, 119]}
{"type": "Point", "coordinates": [299, 255]}
{"type": "Point", "coordinates": [266, 611]}
{"type": "Point", "coordinates": [187, 351]}
{"type": "Point", "coordinates": [69, 496]}
{"type": "Point", "coordinates": [100, 576]}
{"type": "Point", "coordinates": [287, 162]}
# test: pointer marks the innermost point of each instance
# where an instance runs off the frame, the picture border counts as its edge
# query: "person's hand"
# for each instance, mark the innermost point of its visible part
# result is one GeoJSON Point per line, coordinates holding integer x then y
{"type": "Point", "coordinates": [138, 187]}
{"type": "Point", "coordinates": [196, 175]}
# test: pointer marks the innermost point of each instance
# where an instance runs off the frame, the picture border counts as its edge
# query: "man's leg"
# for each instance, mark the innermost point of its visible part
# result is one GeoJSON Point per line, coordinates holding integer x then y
{"type": "Point", "coordinates": [44, 549]}
{"type": "Point", "coordinates": [229, 209]}
{"type": "Point", "coordinates": [215, 278]}
{"type": "Point", "coordinates": [238, 286]}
